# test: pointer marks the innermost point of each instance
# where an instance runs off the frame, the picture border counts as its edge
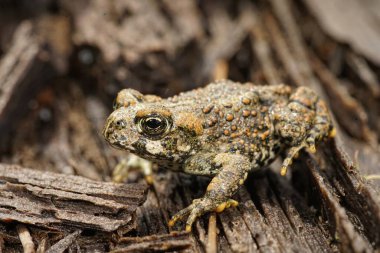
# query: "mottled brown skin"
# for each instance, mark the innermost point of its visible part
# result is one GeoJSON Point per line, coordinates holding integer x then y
{"type": "Point", "coordinates": [224, 130]}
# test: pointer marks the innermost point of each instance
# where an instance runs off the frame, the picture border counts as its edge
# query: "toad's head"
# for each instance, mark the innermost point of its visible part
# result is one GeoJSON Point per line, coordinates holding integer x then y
{"type": "Point", "coordinates": [152, 128]}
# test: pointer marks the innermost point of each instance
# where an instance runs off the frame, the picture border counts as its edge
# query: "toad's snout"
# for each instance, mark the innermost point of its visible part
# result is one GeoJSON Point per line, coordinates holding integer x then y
{"type": "Point", "coordinates": [107, 130]}
{"type": "Point", "coordinates": [114, 131]}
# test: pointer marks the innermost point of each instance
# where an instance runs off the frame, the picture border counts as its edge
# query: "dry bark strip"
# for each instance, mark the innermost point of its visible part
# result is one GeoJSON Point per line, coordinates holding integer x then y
{"type": "Point", "coordinates": [175, 241]}
{"type": "Point", "coordinates": [58, 201]}
{"type": "Point", "coordinates": [361, 199]}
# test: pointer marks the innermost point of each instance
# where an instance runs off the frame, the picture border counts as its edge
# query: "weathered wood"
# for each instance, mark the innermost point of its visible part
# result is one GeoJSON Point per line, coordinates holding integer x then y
{"type": "Point", "coordinates": [23, 70]}
{"type": "Point", "coordinates": [163, 47]}
{"type": "Point", "coordinates": [25, 238]}
{"type": "Point", "coordinates": [360, 197]}
{"type": "Point", "coordinates": [58, 201]}
{"type": "Point", "coordinates": [361, 32]}
{"type": "Point", "coordinates": [63, 244]}
{"type": "Point", "coordinates": [175, 241]}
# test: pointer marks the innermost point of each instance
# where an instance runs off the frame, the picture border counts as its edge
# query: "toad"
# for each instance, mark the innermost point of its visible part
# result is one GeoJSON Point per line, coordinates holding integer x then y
{"type": "Point", "coordinates": [224, 131]}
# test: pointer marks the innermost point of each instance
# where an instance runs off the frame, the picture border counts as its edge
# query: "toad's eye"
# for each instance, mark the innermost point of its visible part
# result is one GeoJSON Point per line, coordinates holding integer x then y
{"type": "Point", "coordinates": [154, 125]}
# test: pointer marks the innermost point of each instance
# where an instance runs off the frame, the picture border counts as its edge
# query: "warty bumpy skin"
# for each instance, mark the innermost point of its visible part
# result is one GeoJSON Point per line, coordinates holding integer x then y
{"type": "Point", "coordinates": [223, 130]}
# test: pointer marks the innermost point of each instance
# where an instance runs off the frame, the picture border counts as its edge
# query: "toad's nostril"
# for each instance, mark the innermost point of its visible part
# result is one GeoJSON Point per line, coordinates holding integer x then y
{"type": "Point", "coordinates": [120, 123]}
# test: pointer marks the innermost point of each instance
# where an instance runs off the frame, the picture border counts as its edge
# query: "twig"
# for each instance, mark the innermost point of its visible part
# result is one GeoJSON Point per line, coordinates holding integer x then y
{"type": "Point", "coordinates": [42, 244]}
{"type": "Point", "coordinates": [63, 244]}
{"type": "Point", "coordinates": [372, 177]}
{"type": "Point", "coordinates": [211, 238]}
{"type": "Point", "coordinates": [25, 238]}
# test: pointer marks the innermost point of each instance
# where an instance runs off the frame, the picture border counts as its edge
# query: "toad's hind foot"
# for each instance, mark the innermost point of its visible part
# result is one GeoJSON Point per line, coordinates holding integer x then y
{"type": "Point", "coordinates": [309, 144]}
{"type": "Point", "coordinates": [293, 153]}
{"type": "Point", "coordinates": [305, 122]}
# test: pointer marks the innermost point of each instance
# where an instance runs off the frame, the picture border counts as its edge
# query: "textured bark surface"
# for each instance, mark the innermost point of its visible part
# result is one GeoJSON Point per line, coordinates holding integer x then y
{"type": "Point", "coordinates": [56, 201]}
{"type": "Point", "coordinates": [62, 62]}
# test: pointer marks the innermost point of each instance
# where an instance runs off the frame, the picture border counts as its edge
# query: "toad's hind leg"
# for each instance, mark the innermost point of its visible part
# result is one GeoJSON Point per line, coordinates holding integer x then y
{"type": "Point", "coordinates": [233, 171]}
{"type": "Point", "coordinates": [322, 126]}
{"type": "Point", "coordinates": [311, 123]}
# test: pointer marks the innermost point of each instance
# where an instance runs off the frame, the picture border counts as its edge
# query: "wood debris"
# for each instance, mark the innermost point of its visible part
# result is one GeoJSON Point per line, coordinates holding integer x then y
{"type": "Point", "coordinates": [60, 202]}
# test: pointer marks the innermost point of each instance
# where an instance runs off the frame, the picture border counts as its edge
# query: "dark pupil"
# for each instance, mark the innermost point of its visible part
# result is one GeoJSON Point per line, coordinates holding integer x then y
{"type": "Point", "coordinates": [153, 123]}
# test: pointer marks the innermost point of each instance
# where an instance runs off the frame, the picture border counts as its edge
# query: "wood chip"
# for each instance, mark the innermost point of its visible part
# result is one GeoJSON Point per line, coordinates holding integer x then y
{"type": "Point", "coordinates": [59, 201]}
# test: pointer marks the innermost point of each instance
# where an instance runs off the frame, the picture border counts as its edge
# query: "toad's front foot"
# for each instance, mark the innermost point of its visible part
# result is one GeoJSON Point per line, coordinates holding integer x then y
{"type": "Point", "coordinates": [200, 207]}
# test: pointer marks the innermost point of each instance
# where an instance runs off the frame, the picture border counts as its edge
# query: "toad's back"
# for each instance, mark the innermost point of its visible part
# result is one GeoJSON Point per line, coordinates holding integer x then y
{"type": "Point", "coordinates": [236, 117]}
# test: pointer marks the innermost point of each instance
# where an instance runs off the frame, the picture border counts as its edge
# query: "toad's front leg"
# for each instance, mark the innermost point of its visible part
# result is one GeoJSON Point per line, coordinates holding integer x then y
{"type": "Point", "coordinates": [232, 173]}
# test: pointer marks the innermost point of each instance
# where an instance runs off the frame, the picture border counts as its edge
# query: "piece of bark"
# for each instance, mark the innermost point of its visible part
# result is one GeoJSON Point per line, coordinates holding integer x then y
{"type": "Point", "coordinates": [176, 241]}
{"type": "Point", "coordinates": [347, 237]}
{"type": "Point", "coordinates": [361, 32]}
{"type": "Point", "coordinates": [348, 204]}
{"type": "Point", "coordinates": [23, 70]}
{"type": "Point", "coordinates": [129, 29]}
{"type": "Point", "coordinates": [58, 201]}
{"type": "Point", "coordinates": [360, 197]}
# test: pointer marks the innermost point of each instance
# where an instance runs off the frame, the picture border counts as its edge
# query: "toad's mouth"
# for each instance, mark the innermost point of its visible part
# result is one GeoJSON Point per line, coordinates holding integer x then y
{"type": "Point", "coordinates": [119, 142]}
{"type": "Point", "coordinates": [121, 146]}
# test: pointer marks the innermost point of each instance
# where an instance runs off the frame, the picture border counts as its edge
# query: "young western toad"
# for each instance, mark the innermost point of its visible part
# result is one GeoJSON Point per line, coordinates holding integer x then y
{"type": "Point", "coordinates": [223, 130]}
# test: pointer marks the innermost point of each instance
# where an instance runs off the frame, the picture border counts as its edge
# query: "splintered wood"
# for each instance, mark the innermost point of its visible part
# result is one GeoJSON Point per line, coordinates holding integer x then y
{"type": "Point", "coordinates": [61, 202]}
{"type": "Point", "coordinates": [176, 241]}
